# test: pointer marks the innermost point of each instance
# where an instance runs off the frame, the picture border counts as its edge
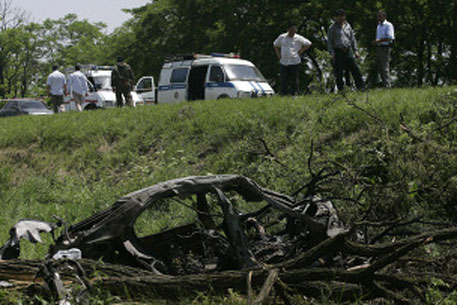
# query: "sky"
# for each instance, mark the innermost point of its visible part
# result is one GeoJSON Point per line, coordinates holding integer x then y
{"type": "Point", "coordinates": [107, 11]}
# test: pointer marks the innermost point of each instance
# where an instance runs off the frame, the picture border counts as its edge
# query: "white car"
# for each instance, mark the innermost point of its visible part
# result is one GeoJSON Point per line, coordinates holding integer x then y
{"type": "Point", "coordinates": [209, 77]}
{"type": "Point", "coordinates": [101, 94]}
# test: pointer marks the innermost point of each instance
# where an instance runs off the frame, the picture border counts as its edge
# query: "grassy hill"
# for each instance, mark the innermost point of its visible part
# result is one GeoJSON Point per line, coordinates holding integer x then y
{"type": "Point", "coordinates": [389, 154]}
{"type": "Point", "coordinates": [382, 155]}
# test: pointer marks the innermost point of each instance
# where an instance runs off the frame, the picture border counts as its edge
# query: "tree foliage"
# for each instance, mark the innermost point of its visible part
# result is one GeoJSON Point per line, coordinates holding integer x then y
{"type": "Point", "coordinates": [425, 51]}
{"type": "Point", "coordinates": [70, 40]}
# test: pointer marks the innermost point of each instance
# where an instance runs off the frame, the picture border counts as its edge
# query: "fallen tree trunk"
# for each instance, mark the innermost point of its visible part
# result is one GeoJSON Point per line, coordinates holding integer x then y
{"type": "Point", "coordinates": [119, 279]}
{"type": "Point", "coordinates": [370, 280]}
{"type": "Point", "coordinates": [129, 282]}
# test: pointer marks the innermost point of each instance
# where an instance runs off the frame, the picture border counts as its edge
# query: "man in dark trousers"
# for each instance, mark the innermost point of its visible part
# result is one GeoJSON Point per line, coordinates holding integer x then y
{"type": "Point", "coordinates": [289, 47]}
{"type": "Point", "coordinates": [342, 45]}
{"type": "Point", "coordinates": [57, 89]}
{"type": "Point", "coordinates": [122, 80]}
{"type": "Point", "coordinates": [385, 36]}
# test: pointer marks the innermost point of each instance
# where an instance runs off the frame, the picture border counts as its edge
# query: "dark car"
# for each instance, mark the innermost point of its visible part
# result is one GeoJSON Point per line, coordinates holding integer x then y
{"type": "Point", "coordinates": [23, 107]}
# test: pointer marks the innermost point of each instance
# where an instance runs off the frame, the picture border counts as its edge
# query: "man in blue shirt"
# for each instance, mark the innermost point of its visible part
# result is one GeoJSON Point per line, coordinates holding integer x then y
{"type": "Point", "coordinates": [384, 38]}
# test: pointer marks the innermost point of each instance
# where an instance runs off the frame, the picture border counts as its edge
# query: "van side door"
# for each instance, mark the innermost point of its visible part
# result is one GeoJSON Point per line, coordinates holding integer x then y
{"type": "Point", "coordinates": [197, 82]}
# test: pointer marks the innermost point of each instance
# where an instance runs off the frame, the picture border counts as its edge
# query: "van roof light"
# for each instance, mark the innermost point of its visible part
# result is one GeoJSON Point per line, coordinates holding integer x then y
{"type": "Point", "coordinates": [182, 57]}
{"type": "Point", "coordinates": [226, 55]}
{"type": "Point", "coordinates": [201, 56]}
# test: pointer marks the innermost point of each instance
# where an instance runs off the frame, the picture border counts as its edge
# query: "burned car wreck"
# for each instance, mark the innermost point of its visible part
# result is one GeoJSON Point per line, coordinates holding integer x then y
{"type": "Point", "coordinates": [110, 234]}
{"type": "Point", "coordinates": [205, 245]}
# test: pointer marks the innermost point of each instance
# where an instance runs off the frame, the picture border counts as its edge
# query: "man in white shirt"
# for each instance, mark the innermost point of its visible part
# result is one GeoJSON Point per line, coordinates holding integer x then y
{"type": "Point", "coordinates": [77, 85]}
{"type": "Point", "coordinates": [289, 47]}
{"type": "Point", "coordinates": [384, 38]}
{"type": "Point", "coordinates": [57, 88]}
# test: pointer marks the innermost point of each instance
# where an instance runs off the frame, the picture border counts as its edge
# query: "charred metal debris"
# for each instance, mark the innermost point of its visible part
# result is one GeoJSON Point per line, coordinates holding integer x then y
{"type": "Point", "coordinates": [239, 241]}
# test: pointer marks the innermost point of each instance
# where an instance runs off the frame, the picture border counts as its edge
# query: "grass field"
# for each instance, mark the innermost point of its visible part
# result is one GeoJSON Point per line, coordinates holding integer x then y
{"type": "Point", "coordinates": [393, 150]}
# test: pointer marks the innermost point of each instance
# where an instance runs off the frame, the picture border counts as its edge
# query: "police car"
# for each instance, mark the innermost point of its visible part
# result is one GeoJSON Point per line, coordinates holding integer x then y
{"type": "Point", "coordinates": [101, 94]}
{"type": "Point", "coordinates": [209, 77]}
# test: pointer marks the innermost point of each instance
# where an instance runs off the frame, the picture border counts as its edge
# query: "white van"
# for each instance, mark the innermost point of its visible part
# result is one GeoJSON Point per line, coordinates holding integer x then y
{"type": "Point", "coordinates": [101, 94]}
{"type": "Point", "coordinates": [210, 77]}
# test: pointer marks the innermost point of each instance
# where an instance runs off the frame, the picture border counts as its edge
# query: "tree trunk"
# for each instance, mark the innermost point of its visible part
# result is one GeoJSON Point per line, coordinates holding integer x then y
{"type": "Point", "coordinates": [420, 63]}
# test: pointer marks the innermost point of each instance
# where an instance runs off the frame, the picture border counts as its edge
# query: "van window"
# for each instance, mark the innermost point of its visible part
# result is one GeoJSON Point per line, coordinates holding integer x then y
{"type": "Point", "coordinates": [242, 72]}
{"type": "Point", "coordinates": [216, 74]}
{"type": "Point", "coordinates": [145, 84]}
{"type": "Point", "coordinates": [100, 82]}
{"type": "Point", "coordinates": [179, 75]}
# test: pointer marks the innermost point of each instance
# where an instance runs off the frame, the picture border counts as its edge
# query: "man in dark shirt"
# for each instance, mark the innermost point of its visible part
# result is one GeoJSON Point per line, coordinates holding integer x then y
{"type": "Point", "coordinates": [342, 45]}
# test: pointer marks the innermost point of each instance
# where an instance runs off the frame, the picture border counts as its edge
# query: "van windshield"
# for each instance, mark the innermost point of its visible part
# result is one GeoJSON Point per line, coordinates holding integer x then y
{"type": "Point", "coordinates": [242, 72]}
{"type": "Point", "coordinates": [100, 82]}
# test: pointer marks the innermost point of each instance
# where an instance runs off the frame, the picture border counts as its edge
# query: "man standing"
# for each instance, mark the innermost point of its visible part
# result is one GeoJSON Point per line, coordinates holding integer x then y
{"type": "Point", "coordinates": [77, 85]}
{"type": "Point", "coordinates": [384, 38]}
{"type": "Point", "coordinates": [342, 45]}
{"type": "Point", "coordinates": [289, 47]}
{"type": "Point", "coordinates": [122, 82]}
{"type": "Point", "coordinates": [57, 88]}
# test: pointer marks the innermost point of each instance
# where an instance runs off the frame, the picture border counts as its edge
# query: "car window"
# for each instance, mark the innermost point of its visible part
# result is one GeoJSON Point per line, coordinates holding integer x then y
{"type": "Point", "coordinates": [145, 83]}
{"type": "Point", "coordinates": [32, 105]}
{"type": "Point", "coordinates": [179, 75]}
{"type": "Point", "coordinates": [216, 74]}
{"type": "Point", "coordinates": [242, 72]}
{"type": "Point", "coordinates": [10, 106]}
{"type": "Point", "coordinates": [101, 82]}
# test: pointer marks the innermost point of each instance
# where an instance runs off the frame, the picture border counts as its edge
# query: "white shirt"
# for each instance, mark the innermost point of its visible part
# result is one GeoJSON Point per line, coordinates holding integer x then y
{"type": "Point", "coordinates": [56, 80]}
{"type": "Point", "coordinates": [290, 47]}
{"type": "Point", "coordinates": [77, 83]}
{"type": "Point", "coordinates": [385, 30]}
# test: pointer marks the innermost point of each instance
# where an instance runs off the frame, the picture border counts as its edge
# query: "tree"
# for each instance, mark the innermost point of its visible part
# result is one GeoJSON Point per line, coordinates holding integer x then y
{"type": "Point", "coordinates": [168, 27]}
{"type": "Point", "coordinates": [70, 40]}
{"type": "Point", "coordinates": [10, 20]}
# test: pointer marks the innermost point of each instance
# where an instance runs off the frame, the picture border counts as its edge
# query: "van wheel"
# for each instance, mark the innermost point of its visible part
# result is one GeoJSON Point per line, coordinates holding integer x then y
{"type": "Point", "coordinates": [90, 107]}
{"type": "Point", "coordinates": [223, 96]}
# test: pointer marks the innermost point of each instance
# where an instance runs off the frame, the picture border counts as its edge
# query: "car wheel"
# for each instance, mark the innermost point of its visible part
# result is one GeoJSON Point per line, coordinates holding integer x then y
{"type": "Point", "coordinates": [223, 96]}
{"type": "Point", "coordinates": [90, 107]}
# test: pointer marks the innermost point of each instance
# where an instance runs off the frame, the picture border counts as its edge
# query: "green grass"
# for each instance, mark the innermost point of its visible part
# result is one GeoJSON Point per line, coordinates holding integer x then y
{"type": "Point", "coordinates": [75, 164]}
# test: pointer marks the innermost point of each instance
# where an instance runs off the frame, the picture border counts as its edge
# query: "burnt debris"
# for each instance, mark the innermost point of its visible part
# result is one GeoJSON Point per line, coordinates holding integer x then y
{"type": "Point", "coordinates": [301, 241]}
{"type": "Point", "coordinates": [205, 245]}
